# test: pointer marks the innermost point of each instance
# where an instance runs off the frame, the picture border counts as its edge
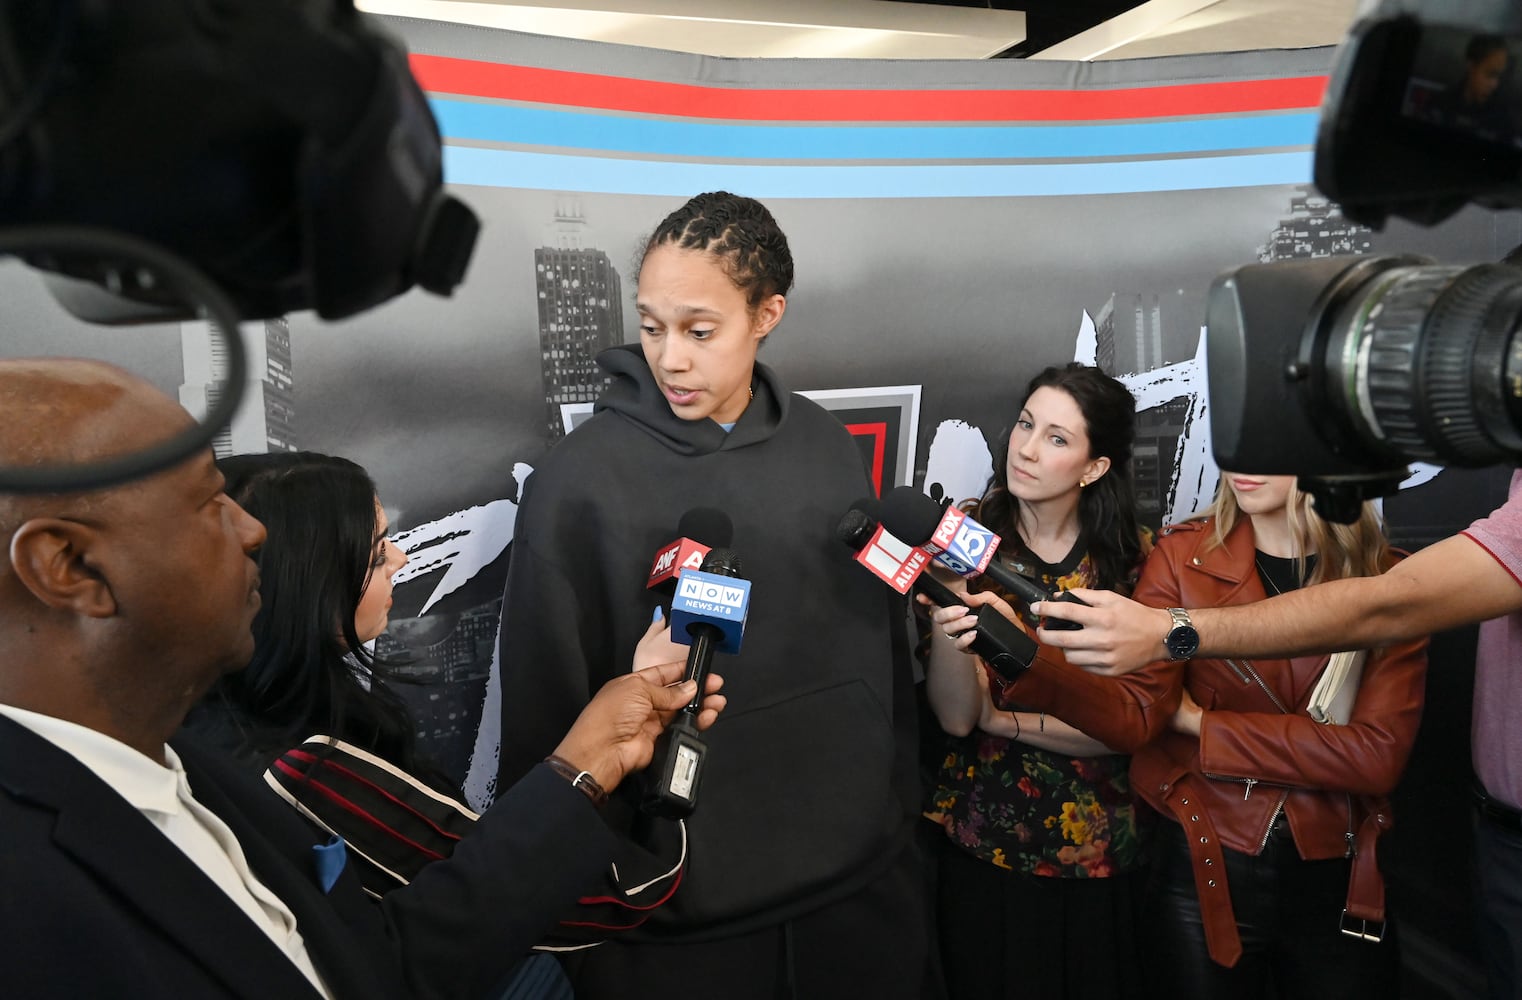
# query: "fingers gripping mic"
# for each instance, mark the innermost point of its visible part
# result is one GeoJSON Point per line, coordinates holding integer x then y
{"type": "Point", "coordinates": [708, 612]}
{"type": "Point", "coordinates": [962, 545]}
{"type": "Point", "coordinates": [1000, 642]}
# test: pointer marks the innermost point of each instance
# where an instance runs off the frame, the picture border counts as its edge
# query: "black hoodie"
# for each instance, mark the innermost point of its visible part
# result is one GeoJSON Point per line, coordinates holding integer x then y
{"type": "Point", "coordinates": [809, 788]}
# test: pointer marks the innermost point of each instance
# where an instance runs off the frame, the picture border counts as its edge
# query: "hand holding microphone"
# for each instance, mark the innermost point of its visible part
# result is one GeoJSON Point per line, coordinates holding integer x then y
{"type": "Point", "coordinates": [700, 530]}
{"type": "Point", "coordinates": [708, 611]}
{"type": "Point", "coordinates": [962, 545]}
{"type": "Point", "coordinates": [987, 633]}
{"type": "Point", "coordinates": [966, 611]}
{"type": "Point", "coordinates": [656, 646]}
{"type": "Point", "coordinates": [619, 730]}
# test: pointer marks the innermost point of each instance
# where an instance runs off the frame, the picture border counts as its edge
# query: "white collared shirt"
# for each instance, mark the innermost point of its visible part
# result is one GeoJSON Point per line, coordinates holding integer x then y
{"type": "Point", "coordinates": [162, 794]}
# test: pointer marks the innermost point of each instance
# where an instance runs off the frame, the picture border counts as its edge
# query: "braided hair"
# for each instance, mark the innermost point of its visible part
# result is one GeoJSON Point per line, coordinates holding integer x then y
{"type": "Point", "coordinates": [740, 233]}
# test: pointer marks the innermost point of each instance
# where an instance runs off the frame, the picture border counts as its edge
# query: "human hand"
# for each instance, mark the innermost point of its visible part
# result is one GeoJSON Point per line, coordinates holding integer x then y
{"type": "Point", "coordinates": [615, 734]}
{"type": "Point", "coordinates": [655, 646]}
{"type": "Point", "coordinates": [1187, 718]}
{"type": "Point", "coordinates": [960, 622]}
{"type": "Point", "coordinates": [938, 587]}
{"type": "Point", "coordinates": [1118, 634]}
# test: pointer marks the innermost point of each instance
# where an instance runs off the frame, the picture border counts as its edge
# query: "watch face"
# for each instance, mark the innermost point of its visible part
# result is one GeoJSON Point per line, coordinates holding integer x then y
{"type": "Point", "coordinates": [1182, 642]}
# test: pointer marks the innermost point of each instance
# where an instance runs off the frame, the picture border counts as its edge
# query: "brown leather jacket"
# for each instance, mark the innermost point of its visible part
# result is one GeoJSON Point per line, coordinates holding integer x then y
{"type": "Point", "coordinates": [1258, 752]}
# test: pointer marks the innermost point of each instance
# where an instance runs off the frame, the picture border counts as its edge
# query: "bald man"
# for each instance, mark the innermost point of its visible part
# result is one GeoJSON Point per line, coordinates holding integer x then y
{"type": "Point", "coordinates": [133, 866]}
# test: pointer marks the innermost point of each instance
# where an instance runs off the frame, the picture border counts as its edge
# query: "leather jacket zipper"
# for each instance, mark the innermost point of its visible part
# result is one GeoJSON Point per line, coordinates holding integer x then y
{"type": "Point", "coordinates": [1272, 817]}
{"type": "Point", "coordinates": [1278, 807]}
{"type": "Point", "coordinates": [1245, 671]}
{"type": "Point", "coordinates": [1352, 837]}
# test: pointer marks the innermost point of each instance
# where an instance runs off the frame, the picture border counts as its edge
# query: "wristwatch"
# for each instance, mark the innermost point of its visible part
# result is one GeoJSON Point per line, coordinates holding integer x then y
{"type": "Point", "coordinates": [1182, 640]}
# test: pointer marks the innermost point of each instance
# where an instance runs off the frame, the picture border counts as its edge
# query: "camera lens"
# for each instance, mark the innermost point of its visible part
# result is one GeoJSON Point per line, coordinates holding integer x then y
{"type": "Point", "coordinates": [1424, 362]}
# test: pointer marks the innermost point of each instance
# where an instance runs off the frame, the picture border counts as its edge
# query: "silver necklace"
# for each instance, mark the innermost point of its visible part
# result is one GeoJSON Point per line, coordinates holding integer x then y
{"type": "Point", "coordinates": [1267, 577]}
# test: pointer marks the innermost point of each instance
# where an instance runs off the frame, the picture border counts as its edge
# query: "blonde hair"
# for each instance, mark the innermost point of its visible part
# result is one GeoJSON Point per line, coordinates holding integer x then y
{"type": "Point", "coordinates": [1342, 550]}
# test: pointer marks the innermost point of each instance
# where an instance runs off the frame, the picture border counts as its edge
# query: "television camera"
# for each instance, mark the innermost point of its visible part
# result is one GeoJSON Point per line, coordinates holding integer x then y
{"type": "Point", "coordinates": [1341, 370]}
{"type": "Point", "coordinates": [235, 159]}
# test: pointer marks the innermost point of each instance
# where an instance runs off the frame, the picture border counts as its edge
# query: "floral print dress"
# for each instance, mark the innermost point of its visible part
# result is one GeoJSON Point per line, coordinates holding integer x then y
{"type": "Point", "coordinates": [1029, 810]}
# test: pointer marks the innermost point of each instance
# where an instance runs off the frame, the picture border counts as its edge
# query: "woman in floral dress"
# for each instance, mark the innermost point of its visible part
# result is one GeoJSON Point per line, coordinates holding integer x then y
{"type": "Point", "coordinates": [1038, 893]}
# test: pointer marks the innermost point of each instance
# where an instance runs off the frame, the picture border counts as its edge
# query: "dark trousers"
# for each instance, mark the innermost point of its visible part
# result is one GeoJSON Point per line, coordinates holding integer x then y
{"type": "Point", "coordinates": [1008, 936]}
{"type": "Point", "coordinates": [870, 944]}
{"type": "Point", "coordinates": [1498, 870]}
{"type": "Point", "coordinates": [1287, 913]}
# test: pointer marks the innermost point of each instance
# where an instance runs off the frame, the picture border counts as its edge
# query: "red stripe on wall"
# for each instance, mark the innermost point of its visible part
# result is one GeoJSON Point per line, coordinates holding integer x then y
{"type": "Point", "coordinates": [474, 78]}
{"type": "Point", "coordinates": [878, 432]}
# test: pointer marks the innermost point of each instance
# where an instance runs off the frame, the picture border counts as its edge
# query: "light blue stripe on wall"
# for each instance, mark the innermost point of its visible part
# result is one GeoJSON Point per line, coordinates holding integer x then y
{"type": "Point", "coordinates": [559, 172]}
{"type": "Point", "coordinates": [519, 126]}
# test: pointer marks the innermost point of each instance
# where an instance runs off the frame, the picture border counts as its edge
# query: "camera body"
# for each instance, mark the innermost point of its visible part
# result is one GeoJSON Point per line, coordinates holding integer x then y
{"type": "Point", "coordinates": [282, 148]}
{"type": "Point", "coordinates": [1423, 112]}
{"type": "Point", "coordinates": [1343, 369]}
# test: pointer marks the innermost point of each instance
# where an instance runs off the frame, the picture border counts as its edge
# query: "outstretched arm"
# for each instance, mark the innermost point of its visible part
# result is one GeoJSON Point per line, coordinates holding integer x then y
{"type": "Point", "coordinates": [1098, 715]}
{"type": "Point", "coordinates": [465, 919]}
{"type": "Point", "coordinates": [1451, 583]}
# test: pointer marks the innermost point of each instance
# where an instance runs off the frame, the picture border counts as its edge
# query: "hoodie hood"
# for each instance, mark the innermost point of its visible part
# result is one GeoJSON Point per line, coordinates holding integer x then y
{"type": "Point", "coordinates": [635, 396]}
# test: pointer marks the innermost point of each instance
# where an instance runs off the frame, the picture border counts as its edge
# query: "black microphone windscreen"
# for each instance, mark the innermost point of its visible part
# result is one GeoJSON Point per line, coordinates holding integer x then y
{"type": "Point", "coordinates": [870, 506]}
{"type": "Point", "coordinates": [910, 515]}
{"type": "Point", "coordinates": [856, 528]}
{"type": "Point", "coordinates": [722, 562]}
{"type": "Point", "coordinates": [706, 525]}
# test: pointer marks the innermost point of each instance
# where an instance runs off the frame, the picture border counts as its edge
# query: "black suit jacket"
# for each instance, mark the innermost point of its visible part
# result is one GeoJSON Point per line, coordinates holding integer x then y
{"type": "Point", "coordinates": [96, 902]}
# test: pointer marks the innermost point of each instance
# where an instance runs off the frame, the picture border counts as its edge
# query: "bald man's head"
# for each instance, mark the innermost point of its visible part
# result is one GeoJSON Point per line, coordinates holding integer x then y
{"type": "Point", "coordinates": [118, 608]}
{"type": "Point", "coordinates": [66, 411]}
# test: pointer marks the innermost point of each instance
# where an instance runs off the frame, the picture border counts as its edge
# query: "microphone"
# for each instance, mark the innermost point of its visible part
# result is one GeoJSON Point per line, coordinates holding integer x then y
{"type": "Point", "coordinates": [962, 545]}
{"type": "Point", "coordinates": [1001, 643]}
{"type": "Point", "coordinates": [711, 603]}
{"type": "Point", "coordinates": [708, 613]}
{"type": "Point", "coordinates": [699, 530]}
{"type": "Point", "coordinates": [891, 560]}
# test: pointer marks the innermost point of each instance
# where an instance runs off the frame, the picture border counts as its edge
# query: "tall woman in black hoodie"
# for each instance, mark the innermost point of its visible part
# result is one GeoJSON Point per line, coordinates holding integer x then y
{"type": "Point", "coordinates": [801, 878]}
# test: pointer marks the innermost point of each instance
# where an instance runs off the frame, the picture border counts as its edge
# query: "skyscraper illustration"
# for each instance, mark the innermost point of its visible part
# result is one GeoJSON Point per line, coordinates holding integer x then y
{"type": "Point", "coordinates": [1104, 337]}
{"type": "Point", "coordinates": [1157, 435]}
{"type": "Point", "coordinates": [1134, 321]}
{"type": "Point", "coordinates": [266, 421]}
{"type": "Point", "coordinates": [1149, 332]}
{"type": "Point", "coordinates": [580, 313]}
{"type": "Point", "coordinates": [442, 661]}
{"type": "Point", "coordinates": [1314, 227]}
{"type": "Point", "coordinates": [1137, 321]}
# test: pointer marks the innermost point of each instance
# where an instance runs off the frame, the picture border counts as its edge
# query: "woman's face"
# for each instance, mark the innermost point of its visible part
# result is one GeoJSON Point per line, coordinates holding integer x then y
{"type": "Point", "coordinates": [1259, 494]}
{"type": "Point", "coordinates": [375, 601]}
{"type": "Point", "coordinates": [1049, 448]}
{"type": "Point", "coordinates": [699, 335]}
{"type": "Point", "coordinates": [1485, 76]}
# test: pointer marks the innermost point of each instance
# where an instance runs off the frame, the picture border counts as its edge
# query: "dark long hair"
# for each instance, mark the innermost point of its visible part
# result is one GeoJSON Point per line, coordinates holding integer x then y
{"type": "Point", "coordinates": [310, 673]}
{"type": "Point", "coordinates": [1106, 507]}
